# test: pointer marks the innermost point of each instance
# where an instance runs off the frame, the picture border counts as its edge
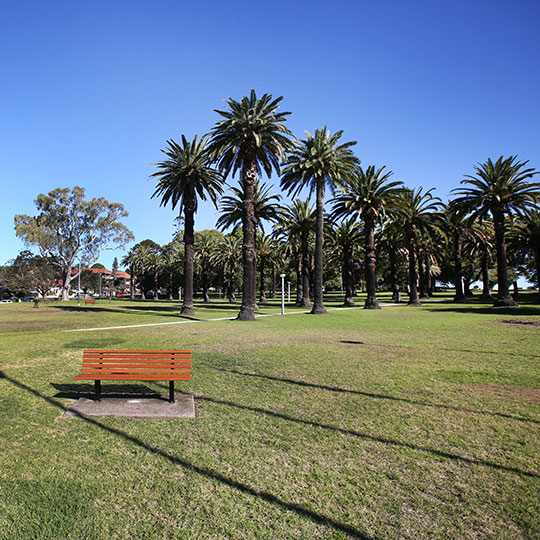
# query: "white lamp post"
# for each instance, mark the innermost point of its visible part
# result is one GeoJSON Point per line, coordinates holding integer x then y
{"type": "Point", "coordinates": [282, 276]}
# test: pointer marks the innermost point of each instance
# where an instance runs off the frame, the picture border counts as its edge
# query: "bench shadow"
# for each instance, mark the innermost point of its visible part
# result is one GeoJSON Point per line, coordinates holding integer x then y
{"type": "Point", "coordinates": [206, 473]}
{"type": "Point", "coordinates": [376, 395]}
{"type": "Point", "coordinates": [76, 391]}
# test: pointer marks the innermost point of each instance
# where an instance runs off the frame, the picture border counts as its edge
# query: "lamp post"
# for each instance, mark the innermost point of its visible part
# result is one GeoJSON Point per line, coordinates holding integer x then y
{"type": "Point", "coordinates": [282, 276]}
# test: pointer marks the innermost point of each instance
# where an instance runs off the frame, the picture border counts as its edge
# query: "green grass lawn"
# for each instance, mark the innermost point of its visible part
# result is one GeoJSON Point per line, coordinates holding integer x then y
{"type": "Point", "coordinates": [399, 423]}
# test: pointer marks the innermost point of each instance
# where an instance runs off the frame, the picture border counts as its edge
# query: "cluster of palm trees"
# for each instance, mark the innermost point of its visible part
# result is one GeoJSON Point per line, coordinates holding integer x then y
{"type": "Point", "coordinates": [408, 224]}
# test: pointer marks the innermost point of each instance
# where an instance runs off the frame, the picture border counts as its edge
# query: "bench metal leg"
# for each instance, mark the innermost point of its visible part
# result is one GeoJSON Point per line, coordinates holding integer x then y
{"type": "Point", "coordinates": [98, 390]}
{"type": "Point", "coordinates": [171, 391]}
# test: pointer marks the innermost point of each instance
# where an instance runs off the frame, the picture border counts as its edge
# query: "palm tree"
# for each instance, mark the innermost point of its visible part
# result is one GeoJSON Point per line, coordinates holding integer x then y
{"type": "Point", "coordinates": [130, 260]}
{"type": "Point", "coordinates": [266, 207]}
{"type": "Point", "coordinates": [418, 213]}
{"type": "Point", "coordinates": [391, 242]}
{"type": "Point", "coordinates": [184, 178]}
{"type": "Point", "coordinates": [252, 137]}
{"type": "Point", "coordinates": [227, 254]}
{"type": "Point", "coordinates": [204, 253]}
{"type": "Point", "coordinates": [345, 239]}
{"type": "Point", "coordinates": [268, 254]}
{"type": "Point", "coordinates": [316, 162]}
{"type": "Point", "coordinates": [500, 189]}
{"type": "Point", "coordinates": [526, 232]}
{"type": "Point", "coordinates": [368, 193]}
{"type": "Point", "coordinates": [298, 221]}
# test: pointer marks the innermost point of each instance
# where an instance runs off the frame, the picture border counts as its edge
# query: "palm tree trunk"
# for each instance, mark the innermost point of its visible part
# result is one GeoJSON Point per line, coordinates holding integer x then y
{"type": "Point", "coordinates": [459, 296]}
{"type": "Point", "coordinates": [274, 274]}
{"type": "Point", "coordinates": [393, 275]}
{"type": "Point", "coordinates": [299, 284]}
{"type": "Point", "coordinates": [503, 293]}
{"type": "Point", "coordinates": [485, 275]}
{"type": "Point", "coordinates": [427, 266]}
{"type": "Point", "coordinates": [348, 277]}
{"type": "Point", "coordinates": [189, 256]}
{"type": "Point", "coordinates": [262, 293]}
{"type": "Point", "coordinates": [413, 277]}
{"type": "Point", "coordinates": [306, 296]}
{"type": "Point", "coordinates": [536, 251]}
{"type": "Point", "coordinates": [249, 256]}
{"type": "Point", "coordinates": [318, 307]}
{"type": "Point", "coordinates": [422, 275]}
{"type": "Point", "coordinates": [370, 265]}
{"type": "Point", "coordinates": [131, 283]}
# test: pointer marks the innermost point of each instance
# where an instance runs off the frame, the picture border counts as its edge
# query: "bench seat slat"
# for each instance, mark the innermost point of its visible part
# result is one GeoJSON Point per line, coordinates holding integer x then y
{"type": "Point", "coordinates": [117, 351]}
{"type": "Point", "coordinates": [139, 365]}
{"type": "Point", "coordinates": [132, 377]}
{"type": "Point", "coordinates": [135, 371]}
{"type": "Point", "coordinates": [136, 358]}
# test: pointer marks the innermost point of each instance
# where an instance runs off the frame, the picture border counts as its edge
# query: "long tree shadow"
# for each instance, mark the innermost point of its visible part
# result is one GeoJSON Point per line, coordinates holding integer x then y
{"type": "Point", "coordinates": [211, 475]}
{"type": "Point", "coordinates": [374, 395]}
{"type": "Point", "coordinates": [488, 310]}
{"type": "Point", "coordinates": [367, 436]}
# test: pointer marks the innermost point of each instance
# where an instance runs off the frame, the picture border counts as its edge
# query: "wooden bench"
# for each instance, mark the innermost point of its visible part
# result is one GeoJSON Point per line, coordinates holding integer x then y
{"type": "Point", "coordinates": [108, 365]}
{"type": "Point", "coordinates": [89, 300]}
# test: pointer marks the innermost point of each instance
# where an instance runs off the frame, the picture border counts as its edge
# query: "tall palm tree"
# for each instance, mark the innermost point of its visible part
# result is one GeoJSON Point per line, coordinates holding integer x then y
{"type": "Point", "coordinates": [316, 162]}
{"type": "Point", "coordinates": [250, 138]}
{"type": "Point", "coordinates": [345, 238]}
{"type": "Point", "coordinates": [185, 177]}
{"type": "Point", "coordinates": [298, 222]}
{"type": "Point", "coordinates": [526, 232]}
{"type": "Point", "coordinates": [265, 204]}
{"type": "Point", "coordinates": [499, 189]}
{"type": "Point", "coordinates": [368, 193]}
{"type": "Point", "coordinates": [130, 260]}
{"type": "Point", "coordinates": [391, 242]}
{"type": "Point", "coordinates": [418, 212]}
{"type": "Point", "coordinates": [227, 253]}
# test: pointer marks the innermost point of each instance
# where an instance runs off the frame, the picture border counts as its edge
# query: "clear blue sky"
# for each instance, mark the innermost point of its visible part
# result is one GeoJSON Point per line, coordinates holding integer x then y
{"type": "Point", "coordinates": [90, 91]}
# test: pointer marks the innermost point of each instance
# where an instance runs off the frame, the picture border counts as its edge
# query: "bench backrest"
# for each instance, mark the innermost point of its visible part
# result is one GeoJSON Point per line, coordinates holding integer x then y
{"type": "Point", "coordinates": [138, 365]}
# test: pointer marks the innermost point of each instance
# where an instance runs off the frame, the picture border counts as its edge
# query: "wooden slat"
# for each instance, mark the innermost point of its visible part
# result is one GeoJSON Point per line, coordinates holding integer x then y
{"type": "Point", "coordinates": [95, 365]}
{"type": "Point", "coordinates": [110, 351]}
{"type": "Point", "coordinates": [137, 377]}
{"type": "Point", "coordinates": [119, 358]}
{"type": "Point", "coordinates": [127, 371]}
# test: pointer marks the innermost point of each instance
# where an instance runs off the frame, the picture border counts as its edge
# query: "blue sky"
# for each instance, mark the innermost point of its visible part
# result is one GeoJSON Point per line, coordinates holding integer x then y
{"type": "Point", "coordinates": [91, 91]}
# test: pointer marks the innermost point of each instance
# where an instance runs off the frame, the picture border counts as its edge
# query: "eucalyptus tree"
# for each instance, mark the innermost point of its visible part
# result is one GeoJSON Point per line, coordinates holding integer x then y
{"type": "Point", "coordinates": [316, 162]}
{"type": "Point", "coordinates": [250, 138]}
{"type": "Point", "coordinates": [345, 238]}
{"type": "Point", "coordinates": [183, 178]}
{"type": "Point", "coordinates": [298, 222]}
{"type": "Point", "coordinates": [499, 189]}
{"type": "Point", "coordinates": [418, 212]}
{"type": "Point", "coordinates": [69, 228]}
{"type": "Point", "coordinates": [368, 193]}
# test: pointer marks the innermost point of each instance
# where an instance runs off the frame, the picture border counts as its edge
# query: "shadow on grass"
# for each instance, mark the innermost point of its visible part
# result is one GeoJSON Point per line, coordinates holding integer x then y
{"type": "Point", "coordinates": [206, 473]}
{"type": "Point", "coordinates": [76, 391]}
{"type": "Point", "coordinates": [376, 396]}
{"type": "Point", "coordinates": [367, 436]}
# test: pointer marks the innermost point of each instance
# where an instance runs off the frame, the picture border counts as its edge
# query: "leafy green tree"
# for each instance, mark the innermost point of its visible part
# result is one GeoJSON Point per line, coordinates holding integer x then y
{"type": "Point", "coordinates": [250, 138]}
{"type": "Point", "coordinates": [499, 189]}
{"type": "Point", "coordinates": [68, 227]}
{"type": "Point", "coordinates": [368, 194]}
{"type": "Point", "coordinates": [316, 162]}
{"type": "Point", "coordinates": [29, 272]}
{"type": "Point", "coordinates": [185, 177]}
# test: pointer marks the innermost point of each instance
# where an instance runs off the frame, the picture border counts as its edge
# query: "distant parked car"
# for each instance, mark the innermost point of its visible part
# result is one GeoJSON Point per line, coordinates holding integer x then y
{"type": "Point", "coordinates": [6, 302]}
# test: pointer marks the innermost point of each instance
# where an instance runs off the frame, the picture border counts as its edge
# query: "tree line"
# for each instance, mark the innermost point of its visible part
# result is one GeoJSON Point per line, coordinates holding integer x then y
{"type": "Point", "coordinates": [373, 230]}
